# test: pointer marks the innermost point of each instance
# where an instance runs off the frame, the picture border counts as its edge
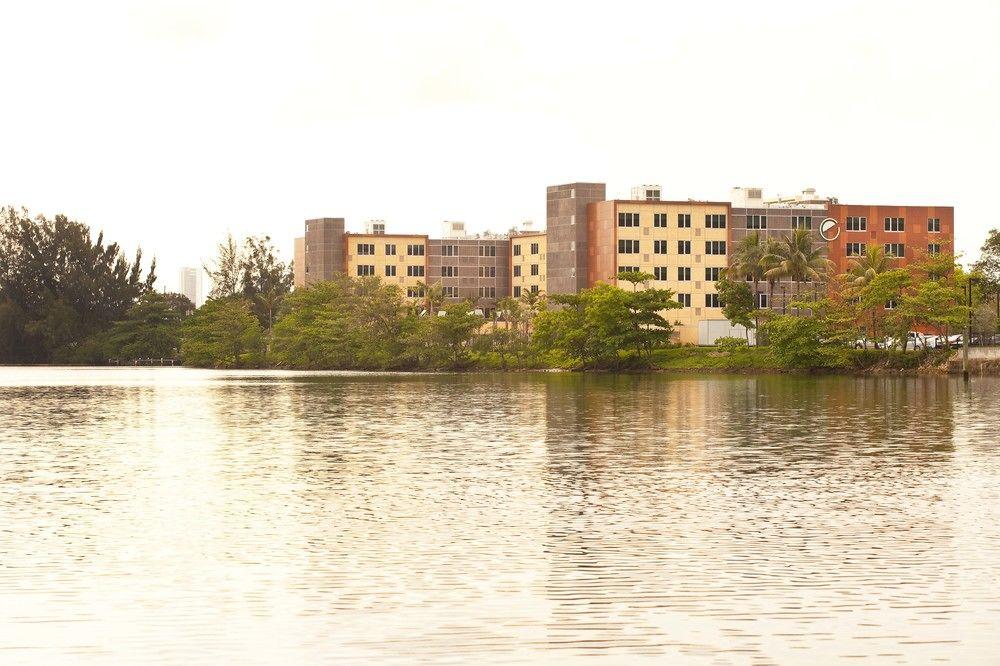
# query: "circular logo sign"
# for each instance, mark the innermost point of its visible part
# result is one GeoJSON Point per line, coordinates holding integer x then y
{"type": "Point", "coordinates": [829, 229]}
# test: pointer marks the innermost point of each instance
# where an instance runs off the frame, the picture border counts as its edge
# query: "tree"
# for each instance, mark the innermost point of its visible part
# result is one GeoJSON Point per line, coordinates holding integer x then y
{"type": "Point", "coordinates": [861, 272]}
{"type": "Point", "coordinates": [738, 304]}
{"type": "Point", "coordinates": [223, 333]}
{"type": "Point", "coordinates": [882, 290]}
{"type": "Point", "coordinates": [988, 269]}
{"type": "Point", "coordinates": [635, 278]}
{"type": "Point", "coordinates": [151, 329]}
{"type": "Point", "coordinates": [264, 280]}
{"type": "Point", "coordinates": [226, 270]}
{"type": "Point", "coordinates": [797, 257]}
{"type": "Point", "coordinates": [747, 261]}
{"type": "Point", "coordinates": [60, 288]}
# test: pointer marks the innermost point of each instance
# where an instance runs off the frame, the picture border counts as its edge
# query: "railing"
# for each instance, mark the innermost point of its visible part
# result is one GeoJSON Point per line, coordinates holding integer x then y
{"type": "Point", "coordinates": [139, 362]}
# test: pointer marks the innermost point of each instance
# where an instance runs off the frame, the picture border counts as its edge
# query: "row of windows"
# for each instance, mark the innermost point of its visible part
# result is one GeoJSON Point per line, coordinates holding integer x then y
{"type": "Point", "coordinates": [683, 273]}
{"type": "Point", "coordinates": [367, 249]}
{"type": "Point", "coordinates": [712, 221]}
{"type": "Point", "coordinates": [890, 249]}
{"type": "Point", "coordinates": [517, 270]}
{"type": "Point", "coordinates": [517, 290]}
{"type": "Point", "coordinates": [517, 249]}
{"type": "Point", "coordinates": [630, 246]}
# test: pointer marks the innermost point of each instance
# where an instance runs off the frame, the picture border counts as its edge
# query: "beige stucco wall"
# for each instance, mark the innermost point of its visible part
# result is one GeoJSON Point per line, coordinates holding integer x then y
{"type": "Point", "coordinates": [380, 259]}
{"type": "Point", "coordinates": [525, 260]}
{"type": "Point", "coordinates": [299, 262]}
{"type": "Point", "coordinates": [698, 260]}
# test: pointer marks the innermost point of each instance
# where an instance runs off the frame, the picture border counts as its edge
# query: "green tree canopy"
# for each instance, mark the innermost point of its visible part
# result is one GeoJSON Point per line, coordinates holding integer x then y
{"type": "Point", "coordinates": [223, 333]}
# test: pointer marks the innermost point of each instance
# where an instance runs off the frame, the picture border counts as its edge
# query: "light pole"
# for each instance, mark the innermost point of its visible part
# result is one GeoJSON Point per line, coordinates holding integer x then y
{"type": "Point", "coordinates": [968, 331]}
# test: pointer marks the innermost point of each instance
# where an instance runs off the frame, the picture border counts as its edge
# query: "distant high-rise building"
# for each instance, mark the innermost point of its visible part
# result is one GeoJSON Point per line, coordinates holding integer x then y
{"type": "Point", "coordinates": [190, 284]}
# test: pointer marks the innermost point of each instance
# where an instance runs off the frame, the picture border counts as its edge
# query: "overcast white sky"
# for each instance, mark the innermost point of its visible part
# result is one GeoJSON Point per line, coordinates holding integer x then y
{"type": "Point", "coordinates": [169, 123]}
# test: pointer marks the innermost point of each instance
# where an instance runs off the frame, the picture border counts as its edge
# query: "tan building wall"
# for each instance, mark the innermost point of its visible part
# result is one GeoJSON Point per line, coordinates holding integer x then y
{"type": "Point", "coordinates": [521, 261]}
{"type": "Point", "coordinates": [299, 262]}
{"type": "Point", "coordinates": [603, 222]}
{"type": "Point", "coordinates": [389, 260]}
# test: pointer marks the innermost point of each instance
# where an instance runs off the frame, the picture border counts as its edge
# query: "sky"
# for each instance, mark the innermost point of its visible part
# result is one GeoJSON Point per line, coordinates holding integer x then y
{"type": "Point", "coordinates": [170, 124]}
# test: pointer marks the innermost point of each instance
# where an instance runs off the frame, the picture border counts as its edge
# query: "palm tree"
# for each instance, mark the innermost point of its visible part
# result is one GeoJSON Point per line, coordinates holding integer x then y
{"type": "Point", "coordinates": [433, 295]}
{"type": "Point", "coordinates": [862, 271]}
{"type": "Point", "coordinates": [797, 257]}
{"type": "Point", "coordinates": [747, 256]}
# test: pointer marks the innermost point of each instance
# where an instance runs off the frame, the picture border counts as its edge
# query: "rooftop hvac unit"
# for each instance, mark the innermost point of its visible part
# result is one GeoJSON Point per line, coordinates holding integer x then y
{"type": "Point", "coordinates": [646, 193]}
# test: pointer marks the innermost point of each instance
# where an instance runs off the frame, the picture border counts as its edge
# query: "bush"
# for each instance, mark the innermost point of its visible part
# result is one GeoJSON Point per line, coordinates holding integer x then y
{"type": "Point", "coordinates": [800, 342]}
{"type": "Point", "coordinates": [730, 344]}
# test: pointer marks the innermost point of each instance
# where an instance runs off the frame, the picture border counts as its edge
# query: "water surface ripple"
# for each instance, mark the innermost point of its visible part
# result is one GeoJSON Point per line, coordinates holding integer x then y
{"type": "Point", "coordinates": [172, 515]}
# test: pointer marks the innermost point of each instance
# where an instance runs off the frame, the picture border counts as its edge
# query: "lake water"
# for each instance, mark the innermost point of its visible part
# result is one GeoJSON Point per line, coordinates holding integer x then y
{"type": "Point", "coordinates": [173, 515]}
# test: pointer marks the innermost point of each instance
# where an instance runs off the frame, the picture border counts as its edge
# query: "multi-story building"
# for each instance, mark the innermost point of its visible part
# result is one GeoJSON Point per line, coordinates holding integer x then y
{"type": "Point", "coordinates": [398, 259]}
{"type": "Point", "coordinates": [566, 228]}
{"type": "Point", "coordinates": [190, 284]}
{"type": "Point", "coordinates": [470, 268]}
{"type": "Point", "coordinates": [323, 250]}
{"type": "Point", "coordinates": [683, 244]}
{"type": "Point", "coordinates": [528, 263]}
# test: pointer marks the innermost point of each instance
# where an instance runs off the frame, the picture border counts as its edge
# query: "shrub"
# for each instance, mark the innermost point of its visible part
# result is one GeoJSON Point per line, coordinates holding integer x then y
{"type": "Point", "coordinates": [730, 344]}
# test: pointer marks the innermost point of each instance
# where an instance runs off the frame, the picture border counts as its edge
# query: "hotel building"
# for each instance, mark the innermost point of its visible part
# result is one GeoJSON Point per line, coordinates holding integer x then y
{"type": "Point", "coordinates": [684, 244]}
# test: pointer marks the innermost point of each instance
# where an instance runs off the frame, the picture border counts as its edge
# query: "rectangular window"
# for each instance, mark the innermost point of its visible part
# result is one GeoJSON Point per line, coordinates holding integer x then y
{"type": "Point", "coordinates": [856, 249]}
{"type": "Point", "coordinates": [713, 274]}
{"type": "Point", "coordinates": [415, 292]}
{"type": "Point", "coordinates": [517, 271]}
{"type": "Point", "coordinates": [712, 301]}
{"type": "Point", "coordinates": [684, 300]}
{"type": "Point", "coordinates": [628, 219]}
{"type": "Point", "coordinates": [487, 292]}
{"type": "Point", "coordinates": [487, 271]}
{"type": "Point", "coordinates": [802, 222]}
{"type": "Point", "coordinates": [365, 270]}
{"type": "Point", "coordinates": [659, 247]}
{"type": "Point", "coordinates": [366, 248]}
{"type": "Point", "coordinates": [450, 292]}
{"type": "Point", "coordinates": [761, 301]}
{"type": "Point", "coordinates": [895, 250]}
{"type": "Point", "coordinates": [534, 248]}
{"type": "Point", "coordinates": [390, 270]}
{"type": "Point", "coordinates": [487, 250]}
{"type": "Point", "coordinates": [934, 248]}
{"type": "Point", "coordinates": [517, 250]}
{"type": "Point", "coordinates": [715, 221]}
{"type": "Point", "coordinates": [415, 250]}
{"type": "Point", "coordinates": [628, 269]}
{"type": "Point", "coordinates": [715, 247]}
{"type": "Point", "coordinates": [684, 273]}
{"type": "Point", "coordinates": [683, 220]}
{"type": "Point", "coordinates": [449, 271]}
{"type": "Point", "coordinates": [390, 250]}
{"type": "Point", "coordinates": [934, 225]}
{"type": "Point", "coordinates": [517, 292]}
{"type": "Point", "coordinates": [660, 273]}
{"type": "Point", "coordinates": [534, 269]}
{"type": "Point", "coordinates": [628, 246]}
{"type": "Point", "coordinates": [895, 224]}
{"type": "Point", "coordinates": [534, 288]}
{"type": "Point", "coordinates": [449, 250]}
{"type": "Point", "coordinates": [415, 271]}
{"type": "Point", "coordinates": [756, 221]}
{"type": "Point", "coordinates": [857, 223]}
{"type": "Point", "coordinates": [683, 247]}
{"type": "Point", "coordinates": [660, 220]}
{"type": "Point", "coordinates": [890, 305]}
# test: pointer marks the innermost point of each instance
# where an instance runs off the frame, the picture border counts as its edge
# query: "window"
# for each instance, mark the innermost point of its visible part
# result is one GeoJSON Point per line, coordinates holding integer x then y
{"type": "Point", "coordinates": [534, 269]}
{"type": "Point", "coordinates": [534, 248]}
{"type": "Point", "coordinates": [487, 271]}
{"type": "Point", "coordinates": [756, 221]}
{"type": "Point", "coordinates": [684, 300]}
{"type": "Point", "coordinates": [390, 270]}
{"type": "Point", "coordinates": [415, 250]}
{"type": "Point", "coordinates": [660, 220]}
{"type": "Point", "coordinates": [934, 248]}
{"type": "Point", "coordinates": [517, 250]}
{"type": "Point", "coordinates": [856, 249]}
{"type": "Point", "coordinates": [715, 247]}
{"type": "Point", "coordinates": [627, 246]}
{"type": "Point", "coordinates": [712, 301]}
{"type": "Point", "coordinates": [487, 250]}
{"type": "Point", "coordinates": [415, 292]}
{"type": "Point", "coordinates": [894, 250]}
{"type": "Point", "coordinates": [895, 224]}
{"type": "Point", "coordinates": [659, 247]}
{"type": "Point", "coordinates": [890, 305]}
{"type": "Point", "coordinates": [683, 247]}
{"type": "Point", "coordinates": [713, 274]}
{"type": "Point", "coordinates": [802, 222]}
{"type": "Point", "coordinates": [934, 225]}
{"type": "Point", "coordinates": [715, 221]}
{"type": "Point", "coordinates": [628, 269]}
{"type": "Point", "coordinates": [366, 248]}
{"type": "Point", "coordinates": [449, 271]}
{"type": "Point", "coordinates": [683, 220]}
{"type": "Point", "coordinates": [450, 251]}
{"type": "Point", "coordinates": [659, 273]}
{"type": "Point", "coordinates": [628, 219]}
{"type": "Point", "coordinates": [487, 292]}
{"type": "Point", "coordinates": [450, 292]}
{"type": "Point", "coordinates": [684, 273]}
{"type": "Point", "coordinates": [415, 271]}
{"type": "Point", "coordinates": [365, 270]}
{"type": "Point", "coordinates": [761, 301]}
{"type": "Point", "coordinates": [517, 271]}
{"type": "Point", "coordinates": [534, 288]}
{"type": "Point", "coordinates": [517, 292]}
{"type": "Point", "coordinates": [390, 250]}
{"type": "Point", "coordinates": [857, 223]}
